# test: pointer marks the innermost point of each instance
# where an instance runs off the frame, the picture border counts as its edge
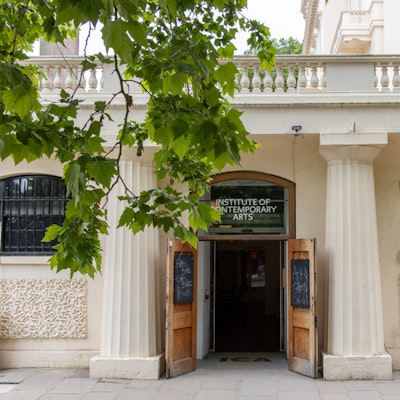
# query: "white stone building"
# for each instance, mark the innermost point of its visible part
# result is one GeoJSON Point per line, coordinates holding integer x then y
{"type": "Point", "coordinates": [328, 169]}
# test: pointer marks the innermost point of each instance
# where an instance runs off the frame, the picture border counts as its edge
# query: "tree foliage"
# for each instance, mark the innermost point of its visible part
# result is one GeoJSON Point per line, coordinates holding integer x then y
{"type": "Point", "coordinates": [173, 49]}
{"type": "Point", "coordinates": [282, 46]}
{"type": "Point", "coordinates": [288, 46]}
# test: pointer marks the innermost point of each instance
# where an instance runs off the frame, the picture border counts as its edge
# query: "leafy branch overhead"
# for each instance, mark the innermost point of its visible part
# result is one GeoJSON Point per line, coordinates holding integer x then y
{"type": "Point", "coordinates": [179, 52]}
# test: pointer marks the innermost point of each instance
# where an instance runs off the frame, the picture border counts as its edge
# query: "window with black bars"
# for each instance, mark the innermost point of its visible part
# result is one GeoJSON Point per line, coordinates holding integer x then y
{"type": "Point", "coordinates": [28, 206]}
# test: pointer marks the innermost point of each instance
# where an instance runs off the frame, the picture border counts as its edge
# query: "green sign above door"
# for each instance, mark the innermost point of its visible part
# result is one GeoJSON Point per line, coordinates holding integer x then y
{"type": "Point", "coordinates": [249, 206]}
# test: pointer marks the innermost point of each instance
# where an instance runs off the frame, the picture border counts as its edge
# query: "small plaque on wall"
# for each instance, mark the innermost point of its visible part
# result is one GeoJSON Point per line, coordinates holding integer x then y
{"type": "Point", "coordinates": [183, 278]}
{"type": "Point", "coordinates": [300, 283]}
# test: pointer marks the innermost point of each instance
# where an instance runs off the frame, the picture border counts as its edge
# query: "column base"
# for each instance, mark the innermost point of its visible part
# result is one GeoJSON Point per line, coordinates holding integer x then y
{"type": "Point", "coordinates": [128, 368]}
{"type": "Point", "coordinates": [342, 368]}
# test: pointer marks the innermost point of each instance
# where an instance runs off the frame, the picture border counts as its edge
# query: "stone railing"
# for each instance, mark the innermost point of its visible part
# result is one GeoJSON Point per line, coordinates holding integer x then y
{"type": "Point", "coordinates": [355, 17]}
{"type": "Point", "coordinates": [293, 74]}
{"type": "Point", "coordinates": [66, 73]}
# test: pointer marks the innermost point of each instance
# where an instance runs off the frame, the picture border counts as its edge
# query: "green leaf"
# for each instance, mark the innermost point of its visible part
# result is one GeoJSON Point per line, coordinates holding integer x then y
{"type": "Point", "coordinates": [213, 97]}
{"type": "Point", "coordinates": [115, 37]}
{"type": "Point", "coordinates": [196, 220]}
{"type": "Point", "coordinates": [74, 179]}
{"type": "Point", "coordinates": [225, 75]}
{"type": "Point", "coordinates": [21, 99]}
{"type": "Point", "coordinates": [180, 146]}
{"type": "Point", "coordinates": [227, 51]}
{"type": "Point", "coordinates": [102, 171]}
{"type": "Point", "coordinates": [138, 32]}
{"type": "Point", "coordinates": [94, 145]}
{"type": "Point", "coordinates": [51, 233]}
{"type": "Point", "coordinates": [174, 83]}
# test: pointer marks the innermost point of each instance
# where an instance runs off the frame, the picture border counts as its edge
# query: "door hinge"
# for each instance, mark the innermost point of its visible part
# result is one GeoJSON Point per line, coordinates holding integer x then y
{"type": "Point", "coordinates": [316, 322]}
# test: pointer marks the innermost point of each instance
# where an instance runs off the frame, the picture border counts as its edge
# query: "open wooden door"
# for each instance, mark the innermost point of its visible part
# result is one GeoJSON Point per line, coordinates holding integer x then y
{"type": "Point", "coordinates": [181, 309]}
{"type": "Point", "coordinates": [302, 313]}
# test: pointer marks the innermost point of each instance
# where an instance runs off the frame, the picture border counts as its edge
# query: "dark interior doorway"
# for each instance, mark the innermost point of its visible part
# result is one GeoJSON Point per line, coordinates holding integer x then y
{"type": "Point", "coordinates": [247, 290]}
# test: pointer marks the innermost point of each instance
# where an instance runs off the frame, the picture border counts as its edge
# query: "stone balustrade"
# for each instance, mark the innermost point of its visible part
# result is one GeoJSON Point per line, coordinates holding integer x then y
{"type": "Point", "coordinates": [292, 74]}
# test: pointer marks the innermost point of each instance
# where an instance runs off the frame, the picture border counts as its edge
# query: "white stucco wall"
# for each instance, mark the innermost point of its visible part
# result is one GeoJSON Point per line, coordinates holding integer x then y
{"type": "Point", "coordinates": [31, 342]}
{"type": "Point", "coordinates": [387, 187]}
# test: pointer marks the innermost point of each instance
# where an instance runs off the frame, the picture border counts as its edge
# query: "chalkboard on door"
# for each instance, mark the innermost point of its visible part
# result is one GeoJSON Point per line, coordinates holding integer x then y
{"type": "Point", "coordinates": [183, 278]}
{"type": "Point", "coordinates": [300, 283]}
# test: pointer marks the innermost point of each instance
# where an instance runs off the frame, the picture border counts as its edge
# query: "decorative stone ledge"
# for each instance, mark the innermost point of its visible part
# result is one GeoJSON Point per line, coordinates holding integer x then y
{"type": "Point", "coordinates": [342, 368]}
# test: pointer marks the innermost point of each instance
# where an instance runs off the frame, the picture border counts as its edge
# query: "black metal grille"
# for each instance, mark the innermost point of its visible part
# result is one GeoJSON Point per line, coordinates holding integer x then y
{"type": "Point", "coordinates": [28, 206]}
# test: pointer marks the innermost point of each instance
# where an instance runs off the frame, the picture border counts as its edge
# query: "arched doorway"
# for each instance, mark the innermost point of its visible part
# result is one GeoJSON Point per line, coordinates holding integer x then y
{"type": "Point", "coordinates": [246, 251]}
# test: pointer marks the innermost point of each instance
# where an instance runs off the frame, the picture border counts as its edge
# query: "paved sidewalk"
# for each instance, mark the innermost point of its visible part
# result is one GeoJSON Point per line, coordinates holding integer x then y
{"type": "Point", "coordinates": [234, 378]}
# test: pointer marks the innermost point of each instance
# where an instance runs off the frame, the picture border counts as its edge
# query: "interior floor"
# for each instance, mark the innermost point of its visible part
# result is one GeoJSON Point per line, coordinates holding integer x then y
{"type": "Point", "coordinates": [253, 361]}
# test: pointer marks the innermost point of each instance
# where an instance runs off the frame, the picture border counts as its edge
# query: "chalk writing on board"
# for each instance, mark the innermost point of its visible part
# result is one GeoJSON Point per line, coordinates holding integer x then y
{"type": "Point", "coordinates": [300, 287]}
{"type": "Point", "coordinates": [183, 278]}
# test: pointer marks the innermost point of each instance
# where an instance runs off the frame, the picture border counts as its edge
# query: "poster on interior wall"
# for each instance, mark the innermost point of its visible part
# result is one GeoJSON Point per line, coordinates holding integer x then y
{"type": "Point", "coordinates": [300, 283]}
{"type": "Point", "coordinates": [183, 278]}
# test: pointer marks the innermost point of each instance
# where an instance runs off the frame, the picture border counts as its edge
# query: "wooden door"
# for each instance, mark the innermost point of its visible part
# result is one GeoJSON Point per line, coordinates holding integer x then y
{"type": "Point", "coordinates": [302, 312]}
{"type": "Point", "coordinates": [181, 309]}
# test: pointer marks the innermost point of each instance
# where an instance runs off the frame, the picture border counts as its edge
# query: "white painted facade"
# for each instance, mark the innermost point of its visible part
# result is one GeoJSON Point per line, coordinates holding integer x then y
{"type": "Point", "coordinates": [351, 26]}
{"type": "Point", "coordinates": [346, 168]}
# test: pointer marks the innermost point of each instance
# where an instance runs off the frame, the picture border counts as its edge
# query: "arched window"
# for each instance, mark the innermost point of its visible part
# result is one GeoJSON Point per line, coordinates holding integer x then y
{"type": "Point", "coordinates": [28, 206]}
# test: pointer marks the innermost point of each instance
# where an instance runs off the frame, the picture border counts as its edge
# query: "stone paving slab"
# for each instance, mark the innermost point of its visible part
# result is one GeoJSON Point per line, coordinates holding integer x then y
{"type": "Point", "coordinates": [211, 381]}
{"type": "Point", "coordinates": [16, 375]}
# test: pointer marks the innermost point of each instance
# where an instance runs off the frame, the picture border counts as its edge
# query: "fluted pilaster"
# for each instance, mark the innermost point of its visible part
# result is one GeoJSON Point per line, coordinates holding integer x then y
{"type": "Point", "coordinates": [131, 321]}
{"type": "Point", "coordinates": [354, 303]}
{"type": "Point", "coordinates": [391, 20]}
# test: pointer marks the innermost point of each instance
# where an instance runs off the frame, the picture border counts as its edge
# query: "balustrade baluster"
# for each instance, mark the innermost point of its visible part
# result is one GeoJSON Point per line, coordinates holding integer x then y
{"type": "Point", "coordinates": [291, 80]}
{"type": "Point", "coordinates": [323, 77]}
{"type": "Point", "coordinates": [376, 79]}
{"type": "Point", "coordinates": [57, 80]}
{"type": "Point", "coordinates": [314, 81]}
{"type": "Point", "coordinates": [81, 79]}
{"type": "Point", "coordinates": [93, 82]}
{"type": "Point", "coordinates": [237, 81]}
{"type": "Point", "coordinates": [268, 82]}
{"type": "Point", "coordinates": [101, 70]}
{"type": "Point", "coordinates": [279, 81]}
{"type": "Point", "coordinates": [384, 79]}
{"type": "Point", "coordinates": [302, 79]}
{"type": "Point", "coordinates": [396, 79]}
{"type": "Point", "coordinates": [46, 83]}
{"type": "Point", "coordinates": [69, 81]}
{"type": "Point", "coordinates": [245, 81]}
{"type": "Point", "coordinates": [256, 82]}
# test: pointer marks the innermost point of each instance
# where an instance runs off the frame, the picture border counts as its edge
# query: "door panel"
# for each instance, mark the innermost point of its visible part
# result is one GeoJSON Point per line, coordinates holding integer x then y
{"type": "Point", "coordinates": [181, 309]}
{"type": "Point", "coordinates": [302, 311]}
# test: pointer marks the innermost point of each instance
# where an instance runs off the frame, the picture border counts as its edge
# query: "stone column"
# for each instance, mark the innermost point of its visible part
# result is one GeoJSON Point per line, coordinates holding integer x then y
{"type": "Point", "coordinates": [131, 331]}
{"type": "Point", "coordinates": [70, 48]}
{"type": "Point", "coordinates": [354, 341]}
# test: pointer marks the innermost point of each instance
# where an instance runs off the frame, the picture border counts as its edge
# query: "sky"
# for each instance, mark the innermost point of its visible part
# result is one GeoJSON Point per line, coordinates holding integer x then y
{"type": "Point", "coordinates": [283, 17]}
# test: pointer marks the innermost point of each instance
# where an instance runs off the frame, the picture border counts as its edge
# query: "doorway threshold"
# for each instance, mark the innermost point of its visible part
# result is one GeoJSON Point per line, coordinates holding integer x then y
{"type": "Point", "coordinates": [244, 360]}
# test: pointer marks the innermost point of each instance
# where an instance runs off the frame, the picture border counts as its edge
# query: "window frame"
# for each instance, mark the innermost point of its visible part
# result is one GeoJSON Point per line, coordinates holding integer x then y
{"type": "Point", "coordinates": [29, 204]}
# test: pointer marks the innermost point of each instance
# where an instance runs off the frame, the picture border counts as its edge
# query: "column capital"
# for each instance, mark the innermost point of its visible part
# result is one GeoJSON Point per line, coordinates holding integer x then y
{"type": "Point", "coordinates": [361, 147]}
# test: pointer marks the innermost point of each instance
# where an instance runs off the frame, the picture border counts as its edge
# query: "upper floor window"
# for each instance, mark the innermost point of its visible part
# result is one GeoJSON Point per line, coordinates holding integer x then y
{"type": "Point", "coordinates": [28, 206]}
